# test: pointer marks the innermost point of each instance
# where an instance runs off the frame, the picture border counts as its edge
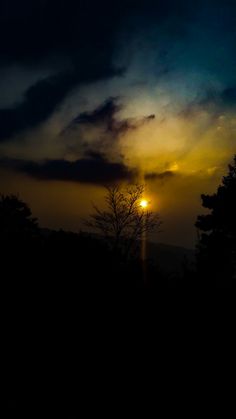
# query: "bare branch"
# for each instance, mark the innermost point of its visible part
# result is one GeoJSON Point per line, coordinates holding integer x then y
{"type": "Point", "coordinates": [124, 219]}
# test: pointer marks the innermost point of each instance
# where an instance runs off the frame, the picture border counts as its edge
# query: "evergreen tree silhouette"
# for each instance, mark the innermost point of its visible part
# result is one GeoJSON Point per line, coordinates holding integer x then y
{"type": "Point", "coordinates": [216, 253]}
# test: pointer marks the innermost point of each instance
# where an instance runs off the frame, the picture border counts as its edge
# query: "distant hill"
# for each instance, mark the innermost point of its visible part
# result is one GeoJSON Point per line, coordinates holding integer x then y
{"type": "Point", "coordinates": [170, 259]}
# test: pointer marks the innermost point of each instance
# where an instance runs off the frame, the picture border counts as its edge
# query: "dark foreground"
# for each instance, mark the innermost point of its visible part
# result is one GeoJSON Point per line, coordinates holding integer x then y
{"type": "Point", "coordinates": [62, 262]}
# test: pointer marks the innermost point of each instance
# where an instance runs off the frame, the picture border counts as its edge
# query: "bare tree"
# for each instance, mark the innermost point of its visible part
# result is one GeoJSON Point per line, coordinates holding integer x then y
{"type": "Point", "coordinates": [124, 221]}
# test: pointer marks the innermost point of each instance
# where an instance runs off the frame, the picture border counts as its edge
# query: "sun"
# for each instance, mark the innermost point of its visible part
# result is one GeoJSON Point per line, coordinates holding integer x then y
{"type": "Point", "coordinates": [144, 203]}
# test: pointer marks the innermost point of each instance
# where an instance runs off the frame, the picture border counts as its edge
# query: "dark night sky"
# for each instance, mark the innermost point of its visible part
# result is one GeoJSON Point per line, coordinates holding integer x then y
{"type": "Point", "coordinates": [94, 92]}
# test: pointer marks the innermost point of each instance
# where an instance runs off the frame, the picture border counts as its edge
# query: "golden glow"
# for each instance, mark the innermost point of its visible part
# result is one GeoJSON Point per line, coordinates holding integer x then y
{"type": "Point", "coordinates": [195, 147]}
{"type": "Point", "coordinates": [144, 203]}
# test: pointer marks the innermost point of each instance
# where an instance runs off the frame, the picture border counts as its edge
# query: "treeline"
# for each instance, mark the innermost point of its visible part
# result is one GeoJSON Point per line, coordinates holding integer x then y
{"type": "Point", "coordinates": [37, 260]}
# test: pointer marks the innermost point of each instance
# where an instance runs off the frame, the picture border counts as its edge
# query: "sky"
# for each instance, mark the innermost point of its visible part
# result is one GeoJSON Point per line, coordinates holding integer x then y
{"type": "Point", "coordinates": [94, 93]}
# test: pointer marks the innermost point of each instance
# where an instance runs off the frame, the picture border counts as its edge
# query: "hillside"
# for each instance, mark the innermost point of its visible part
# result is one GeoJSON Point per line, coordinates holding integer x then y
{"type": "Point", "coordinates": [170, 259]}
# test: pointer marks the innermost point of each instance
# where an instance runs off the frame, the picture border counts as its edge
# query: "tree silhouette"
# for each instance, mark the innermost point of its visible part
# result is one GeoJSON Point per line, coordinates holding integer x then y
{"type": "Point", "coordinates": [19, 244]}
{"type": "Point", "coordinates": [217, 244]}
{"type": "Point", "coordinates": [124, 221]}
{"type": "Point", "coordinates": [16, 218]}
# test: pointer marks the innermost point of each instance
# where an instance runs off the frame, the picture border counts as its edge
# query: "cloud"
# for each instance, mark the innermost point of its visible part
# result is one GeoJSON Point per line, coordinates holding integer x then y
{"type": "Point", "coordinates": [229, 96]}
{"type": "Point", "coordinates": [41, 100]}
{"type": "Point", "coordinates": [71, 29]}
{"type": "Point", "coordinates": [213, 101]}
{"type": "Point", "coordinates": [73, 40]}
{"type": "Point", "coordinates": [225, 98]}
{"type": "Point", "coordinates": [160, 176]}
{"type": "Point", "coordinates": [105, 115]}
{"type": "Point", "coordinates": [93, 169]}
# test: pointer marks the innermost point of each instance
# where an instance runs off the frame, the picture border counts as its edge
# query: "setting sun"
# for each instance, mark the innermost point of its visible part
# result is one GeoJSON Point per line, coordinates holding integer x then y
{"type": "Point", "coordinates": [144, 203]}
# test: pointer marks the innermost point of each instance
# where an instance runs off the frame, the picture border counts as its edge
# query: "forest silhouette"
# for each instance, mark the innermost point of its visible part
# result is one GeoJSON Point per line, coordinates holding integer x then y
{"type": "Point", "coordinates": [110, 255]}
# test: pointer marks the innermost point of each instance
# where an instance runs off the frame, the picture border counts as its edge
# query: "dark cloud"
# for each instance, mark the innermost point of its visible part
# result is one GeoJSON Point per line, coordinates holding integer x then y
{"type": "Point", "coordinates": [41, 100]}
{"type": "Point", "coordinates": [160, 176]}
{"type": "Point", "coordinates": [33, 30]}
{"type": "Point", "coordinates": [225, 98]}
{"type": "Point", "coordinates": [150, 117]}
{"type": "Point", "coordinates": [106, 115]}
{"type": "Point", "coordinates": [79, 35]}
{"type": "Point", "coordinates": [229, 96]}
{"type": "Point", "coordinates": [77, 30]}
{"type": "Point", "coordinates": [103, 114]}
{"type": "Point", "coordinates": [214, 100]}
{"type": "Point", "coordinates": [75, 35]}
{"type": "Point", "coordinates": [58, 27]}
{"type": "Point", "coordinates": [94, 169]}
{"type": "Point", "coordinates": [82, 37]}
